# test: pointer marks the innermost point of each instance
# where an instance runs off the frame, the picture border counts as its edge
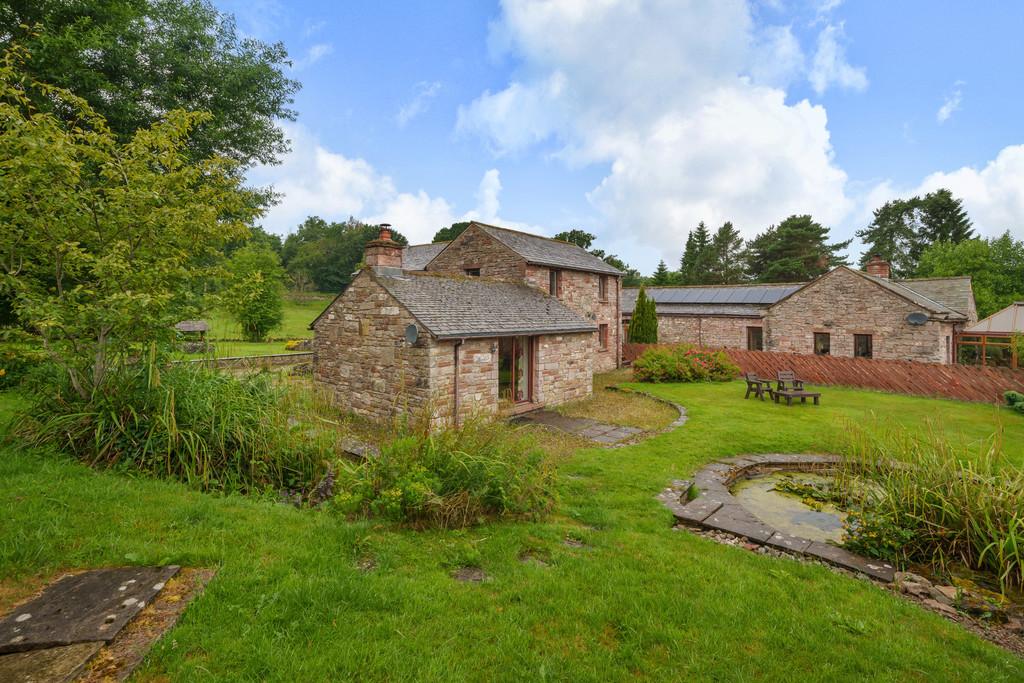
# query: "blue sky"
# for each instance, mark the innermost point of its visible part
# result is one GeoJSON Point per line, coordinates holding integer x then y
{"type": "Point", "coordinates": [634, 120]}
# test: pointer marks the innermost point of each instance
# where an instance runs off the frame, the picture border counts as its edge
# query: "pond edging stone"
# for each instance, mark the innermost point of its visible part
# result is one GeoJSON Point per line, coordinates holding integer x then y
{"type": "Point", "coordinates": [707, 503]}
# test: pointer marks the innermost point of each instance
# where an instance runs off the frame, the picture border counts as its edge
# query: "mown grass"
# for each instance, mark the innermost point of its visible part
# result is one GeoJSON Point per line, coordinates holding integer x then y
{"type": "Point", "coordinates": [638, 600]}
{"type": "Point", "coordinates": [299, 312]}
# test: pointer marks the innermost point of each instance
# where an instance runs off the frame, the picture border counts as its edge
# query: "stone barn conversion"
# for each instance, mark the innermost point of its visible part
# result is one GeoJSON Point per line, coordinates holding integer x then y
{"type": "Point", "coordinates": [845, 312]}
{"type": "Point", "coordinates": [495, 321]}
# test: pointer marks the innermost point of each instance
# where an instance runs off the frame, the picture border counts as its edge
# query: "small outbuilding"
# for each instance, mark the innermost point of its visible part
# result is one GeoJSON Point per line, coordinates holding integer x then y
{"type": "Point", "coordinates": [991, 341]}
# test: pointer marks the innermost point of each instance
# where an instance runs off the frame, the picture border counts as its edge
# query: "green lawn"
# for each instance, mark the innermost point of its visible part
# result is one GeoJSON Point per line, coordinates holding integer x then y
{"type": "Point", "coordinates": [639, 600]}
{"type": "Point", "coordinates": [298, 314]}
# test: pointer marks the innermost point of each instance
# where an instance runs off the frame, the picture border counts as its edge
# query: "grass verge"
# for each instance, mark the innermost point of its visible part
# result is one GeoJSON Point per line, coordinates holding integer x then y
{"type": "Point", "coordinates": [304, 595]}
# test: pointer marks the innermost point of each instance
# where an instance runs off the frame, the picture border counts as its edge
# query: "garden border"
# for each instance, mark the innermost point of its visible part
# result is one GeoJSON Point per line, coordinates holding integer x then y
{"type": "Point", "coordinates": [710, 505]}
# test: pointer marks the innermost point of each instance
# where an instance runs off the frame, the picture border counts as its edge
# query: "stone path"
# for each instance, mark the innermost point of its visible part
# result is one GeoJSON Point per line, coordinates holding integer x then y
{"type": "Point", "coordinates": [579, 426]}
{"type": "Point", "coordinates": [708, 504]}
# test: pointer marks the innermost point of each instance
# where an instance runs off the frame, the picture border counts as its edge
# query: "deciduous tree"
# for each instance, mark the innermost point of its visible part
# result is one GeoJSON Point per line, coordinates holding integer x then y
{"type": "Point", "coordinates": [255, 291]}
{"type": "Point", "coordinates": [103, 242]}
{"type": "Point", "coordinates": [135, 60]}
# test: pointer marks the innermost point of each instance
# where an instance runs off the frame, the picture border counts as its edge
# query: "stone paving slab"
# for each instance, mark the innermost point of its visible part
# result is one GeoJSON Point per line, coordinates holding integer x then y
{"type": "Point", "coordinates": [60, 664]}
{"type": "Point", "coordinates": [88, 607]}
{"type": "Point", "coordinates": [583, 427]}
{"type": "Point", "coordinates": [736, 520]}
{"type": "Point", "coordinates": [782, 541]}
{"type": "Point", "coordinates": [882, 571]}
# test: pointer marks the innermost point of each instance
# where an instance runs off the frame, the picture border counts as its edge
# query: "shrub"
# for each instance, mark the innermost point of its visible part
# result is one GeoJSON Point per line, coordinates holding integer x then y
{"type": "Point", "coordinates": [683, 363]}
{"type": "Point", "coordinates": [16, 363]}
{"type": "Point", "coordinates": [454, 477]}
{"type": "Point", "coordinates": [212, 430]}
{"type": "Point", "coordinates": [1015, 400]}
{"type": "Point", "coordinates": [255, 297]}
{"type": "Point", "coordinates": [933, 503]}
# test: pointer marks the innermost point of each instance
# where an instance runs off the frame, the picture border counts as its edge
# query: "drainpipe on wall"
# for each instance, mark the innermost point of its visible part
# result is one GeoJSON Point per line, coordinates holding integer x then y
{"type": "Point", "coordinates": [455, 384]}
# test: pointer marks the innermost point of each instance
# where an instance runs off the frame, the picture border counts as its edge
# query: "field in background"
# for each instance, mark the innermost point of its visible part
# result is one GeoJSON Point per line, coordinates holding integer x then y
{"type": "Point", "coordinates": [299, 312]}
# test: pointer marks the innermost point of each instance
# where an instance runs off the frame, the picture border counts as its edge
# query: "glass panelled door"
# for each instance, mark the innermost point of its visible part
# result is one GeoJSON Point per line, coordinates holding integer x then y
{"type": "Point", "coordinates": [515, 369]}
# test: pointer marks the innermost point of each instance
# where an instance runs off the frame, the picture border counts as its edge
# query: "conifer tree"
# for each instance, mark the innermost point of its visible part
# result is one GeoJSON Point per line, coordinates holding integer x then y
{"type": "Point", "coordinates": [662, 276]}
{"type": "Point", "coordinates": [643, 326]}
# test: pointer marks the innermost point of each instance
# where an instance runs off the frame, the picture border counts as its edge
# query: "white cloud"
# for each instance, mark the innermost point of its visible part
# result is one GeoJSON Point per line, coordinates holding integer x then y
{"type": "Point", "coordinates": [677, 100]}
{"type": "Point", "coordinates": [311, 28]}
{"type": "Point", "coordinates": [951, 103]}
{"type": "Point", "coordinates": [420, 102]}
{"type": "Point", "coordinates": [314, 181]}
{"type": "Point", "coordinates": [993, 195]}
{"type": "Point", "coordinates": [313, 55]}
{"type": "Point", "coordinates": [829, 65]}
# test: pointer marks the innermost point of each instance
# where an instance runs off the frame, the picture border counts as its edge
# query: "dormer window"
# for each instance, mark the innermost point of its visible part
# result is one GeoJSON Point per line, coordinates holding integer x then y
{"type": "Point", "coordinates": [553, 281]}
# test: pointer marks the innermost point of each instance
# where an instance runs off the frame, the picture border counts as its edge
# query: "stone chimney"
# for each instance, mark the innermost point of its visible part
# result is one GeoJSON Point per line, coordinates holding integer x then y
{"type": "Point", "coordinates": [383, 252]}
{"type": "Point", "coordinates": [878, 267]}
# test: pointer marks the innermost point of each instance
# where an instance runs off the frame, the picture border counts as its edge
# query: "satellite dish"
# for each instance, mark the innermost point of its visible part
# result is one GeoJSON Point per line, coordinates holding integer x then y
{"type": "Point", "coordinates": [917, 318]}
{"type": "Point", "coordinates": [411, 334]}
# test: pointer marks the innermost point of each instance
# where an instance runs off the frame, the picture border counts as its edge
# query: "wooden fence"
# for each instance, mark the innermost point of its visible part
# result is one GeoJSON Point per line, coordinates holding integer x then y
{"type": "Point", "coordinates": [963, 382]}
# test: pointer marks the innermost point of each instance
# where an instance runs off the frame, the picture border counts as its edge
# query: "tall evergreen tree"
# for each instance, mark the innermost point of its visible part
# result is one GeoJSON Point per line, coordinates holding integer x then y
{"type": "Point", "coordinates": [698, 257]}
{"type": "Point", "coordinates": [796, 250]}
{"type": "Point", "coordinates": [894, 235]}
{"type": "Point", "coordinates": [662, 276]}
{"type": "Point", "coordinates": [727, 256]}
{"type": "Point", "coordinates": [643, 326]}
{"type": "Point", "coordinates": [944, 219]}
{"type": "Point", "coordinates": [902, 229]}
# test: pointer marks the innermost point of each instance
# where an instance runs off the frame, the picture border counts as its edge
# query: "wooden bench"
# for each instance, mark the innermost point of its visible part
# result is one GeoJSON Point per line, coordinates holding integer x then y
{"type": "Point", "coordinates": [757, 386]}
{"type": "Point", "coordinates": [790, 394]}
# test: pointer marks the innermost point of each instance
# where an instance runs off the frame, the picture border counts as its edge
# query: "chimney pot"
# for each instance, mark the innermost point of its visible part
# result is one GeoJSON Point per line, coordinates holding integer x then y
{"type": "Point", "coordinates": [385, 231]}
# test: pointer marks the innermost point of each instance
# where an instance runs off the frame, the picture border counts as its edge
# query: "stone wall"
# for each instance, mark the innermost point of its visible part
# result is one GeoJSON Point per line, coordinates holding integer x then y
{"type": "Point", "coordinates": [564, 368]}
{"type": "Point", "coordinates": [362, 355]}
{"type": "Point", "coordinates": [478, 378]}
{"type": "Point", "coordinates": [712, 331]}
{"type": "Point", "coordinates": [580, 291]}
{"type": "Point", "coordinates": [476, 249]}
{"type": "Point", "coordinates": [842, 304]}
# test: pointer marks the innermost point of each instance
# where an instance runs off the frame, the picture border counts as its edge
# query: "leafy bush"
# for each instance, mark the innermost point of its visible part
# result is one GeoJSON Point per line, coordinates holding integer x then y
{"type": "Point", "coordinates": [212, 430]}
{"type": "Point", "coordinates": [683, 363]}
{"type": "Point", "coordinates": [16, 363]}
{"type": "Point", "coordinates": [454, 477]}
{"type": "Point", "coordinates": [1015, 400]}
{"type": "Point", "coordinates": [933, 503]}
{"type": "Point", "coordinates": [255, 297]}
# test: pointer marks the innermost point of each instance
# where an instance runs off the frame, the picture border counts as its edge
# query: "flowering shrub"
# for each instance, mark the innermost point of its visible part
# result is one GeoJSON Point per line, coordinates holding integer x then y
{"type": "Point", "coordinates": [683, 363]}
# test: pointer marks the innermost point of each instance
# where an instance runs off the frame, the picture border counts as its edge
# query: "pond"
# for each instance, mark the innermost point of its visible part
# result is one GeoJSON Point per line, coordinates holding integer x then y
{"type": "Point", "coordinates": [787, 512]}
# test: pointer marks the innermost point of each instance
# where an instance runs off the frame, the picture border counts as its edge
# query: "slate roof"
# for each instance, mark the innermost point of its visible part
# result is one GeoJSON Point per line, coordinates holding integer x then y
{"type": "Point", "coordinates": [904, 290]}
{"type": "Point", "coordinates": [417, 256]}
{"type": "Point", "coordinates": [1006, 321]}
{"type": "Point", "coordinates": [544, 251]}
{"type": "Point", "coordinates": [457, 307]}
{"type": "Point", "coordinates": [745, 300]}
{"type": "Point", "coordinates": [953, 292]}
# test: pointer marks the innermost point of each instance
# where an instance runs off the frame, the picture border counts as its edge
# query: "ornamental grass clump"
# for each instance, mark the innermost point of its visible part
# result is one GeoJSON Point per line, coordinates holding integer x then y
{"type": "Point", "coordinates": [684, 363]}
{"type": "Point", "coordinates": [209, 429]}
{"type": "Point", "coordinates": [453, 477]}
{"type": "Point", "coordinates": [935, 503]}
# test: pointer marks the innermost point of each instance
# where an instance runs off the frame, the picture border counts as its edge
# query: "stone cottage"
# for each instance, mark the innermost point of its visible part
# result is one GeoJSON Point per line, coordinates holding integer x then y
{"type": "Point", "coordinates": [845, 312]}
{"type": "Point", "coordinates": [494, 321]}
